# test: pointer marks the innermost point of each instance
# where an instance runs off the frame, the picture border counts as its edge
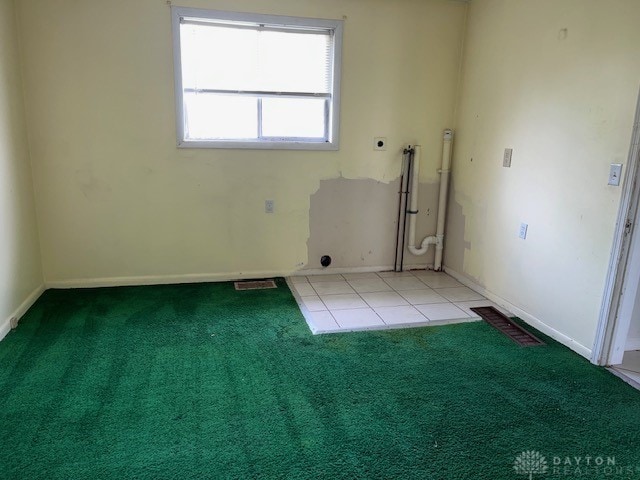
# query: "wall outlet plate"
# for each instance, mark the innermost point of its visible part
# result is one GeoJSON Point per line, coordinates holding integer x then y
{"type": "Point", "coordinates": [506, 159]}
{"type": "Point", "coordinates": [269, 206]}
{"type": "Point", "coordinates": [523, 230]}
{"type": "Point", "coordinates": [615, 172]}
{"type": "Point", "coordinates": [380, 143]}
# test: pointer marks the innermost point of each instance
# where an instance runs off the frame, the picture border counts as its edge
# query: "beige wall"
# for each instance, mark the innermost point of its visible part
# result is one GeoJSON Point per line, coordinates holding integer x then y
{"type": "Point", "coordinates": [557, 81]}
{"type": "Point", "coordinates": [118, 199]}
{"type": "Point", "coordinates": [20, 272]}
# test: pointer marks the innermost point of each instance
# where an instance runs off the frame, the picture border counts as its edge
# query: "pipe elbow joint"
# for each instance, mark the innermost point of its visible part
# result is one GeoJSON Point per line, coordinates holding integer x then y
{"type": "Point", "coordinates": [415, 250]}
{"type": "Point", "coordinates": [432, 240]}
{"type": "Point", "coordinates": [424, 246]}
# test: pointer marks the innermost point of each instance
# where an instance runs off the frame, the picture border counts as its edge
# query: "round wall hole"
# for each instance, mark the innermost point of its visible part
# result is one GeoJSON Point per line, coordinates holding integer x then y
{"type": "Point", "coordinates": [325, 260]}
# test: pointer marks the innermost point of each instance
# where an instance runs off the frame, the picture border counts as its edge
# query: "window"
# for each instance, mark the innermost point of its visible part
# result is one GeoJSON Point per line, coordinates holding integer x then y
{"type": "Point", "coordinates": [256, 81]}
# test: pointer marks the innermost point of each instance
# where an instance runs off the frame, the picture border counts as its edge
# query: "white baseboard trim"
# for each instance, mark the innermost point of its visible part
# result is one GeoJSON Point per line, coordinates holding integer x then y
{"type": "Point", "coordinates": [211, 277]}
{"type": "Point", "coordinates": [632, 344]}
{"type": "Point", "coordinates": [5, 326]}
{"type": "Point", "coordinates": [338, 270]}
{"type": "Point", "coordinates": [528, 318]}
{"type": "Point", "coordinates": [161, 279]}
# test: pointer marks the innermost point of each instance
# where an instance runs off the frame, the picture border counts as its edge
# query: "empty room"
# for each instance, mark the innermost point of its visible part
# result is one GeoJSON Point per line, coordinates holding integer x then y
{"type": "Point", "coordinates": [295, 239]}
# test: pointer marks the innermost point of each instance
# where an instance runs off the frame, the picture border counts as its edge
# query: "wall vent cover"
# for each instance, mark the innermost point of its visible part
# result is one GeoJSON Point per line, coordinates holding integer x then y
{"type": "Point", "coordinates": [255, 285]}
{"type": "Point", "coordinates": [512, 330]}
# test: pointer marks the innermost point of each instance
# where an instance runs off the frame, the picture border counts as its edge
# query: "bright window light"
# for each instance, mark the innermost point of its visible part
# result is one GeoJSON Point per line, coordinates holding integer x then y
{"type": "Point", "coordinates": [256, 81]}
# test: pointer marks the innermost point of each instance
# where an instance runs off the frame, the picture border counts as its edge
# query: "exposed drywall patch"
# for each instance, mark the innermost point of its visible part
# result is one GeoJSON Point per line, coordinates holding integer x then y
{"type": "Point", "coordinates": [463, 217]}
{"type": "Point", "coordinates": [354, 221]}
{"type": "Point", "coordinates": [455, 244]}
{"type": "Point", "coordinates": [475, 216]}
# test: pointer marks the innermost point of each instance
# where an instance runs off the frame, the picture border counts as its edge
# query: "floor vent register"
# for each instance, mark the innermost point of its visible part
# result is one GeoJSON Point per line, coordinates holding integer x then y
{"type": "Point", "coordinates": [504, 324]}
{"type": "Point", "coordinates": [255, 285]}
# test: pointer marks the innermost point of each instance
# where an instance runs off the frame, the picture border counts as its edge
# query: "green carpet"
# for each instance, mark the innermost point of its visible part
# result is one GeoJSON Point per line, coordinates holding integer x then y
{"type": "Point", "coordinates": [201, 381]}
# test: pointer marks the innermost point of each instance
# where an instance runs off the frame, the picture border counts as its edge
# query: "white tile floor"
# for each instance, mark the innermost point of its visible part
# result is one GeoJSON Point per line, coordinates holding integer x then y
{"type": "Point", "coordinates": [374, 301]}
{"type": "Point", "coordinates": [629, 370]}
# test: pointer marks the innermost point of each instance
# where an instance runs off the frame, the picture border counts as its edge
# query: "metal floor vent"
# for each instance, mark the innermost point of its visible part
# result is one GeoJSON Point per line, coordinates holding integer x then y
{"type": "Point", "coordinates": [255, 285]}
{"type": "Point", "coordinates": [512, 330]}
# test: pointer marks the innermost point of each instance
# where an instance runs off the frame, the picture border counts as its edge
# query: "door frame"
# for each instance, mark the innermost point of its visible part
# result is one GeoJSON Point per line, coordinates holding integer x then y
{"type": "Point", "coordinates": [623, 275]}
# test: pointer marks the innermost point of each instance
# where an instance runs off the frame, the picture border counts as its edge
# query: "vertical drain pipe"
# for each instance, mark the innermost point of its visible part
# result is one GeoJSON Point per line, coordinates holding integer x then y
{"type": "Point", "coordinates": [403, 195]}
{"type": "Point", "coordinates": [438, 238]}
{"type": "Point", "coordinates": [445, 173]}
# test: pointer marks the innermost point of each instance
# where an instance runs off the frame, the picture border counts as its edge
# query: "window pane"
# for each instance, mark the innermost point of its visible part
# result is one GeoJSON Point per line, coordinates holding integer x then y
{"type": "Point", "coordinates": [220, 117]}
{"type": "Point", "coordinates": [295, 62]}
{"type": "Point", "coordinates": [292, 117]}
{"type": "Point", "coordinates": [219, 58]}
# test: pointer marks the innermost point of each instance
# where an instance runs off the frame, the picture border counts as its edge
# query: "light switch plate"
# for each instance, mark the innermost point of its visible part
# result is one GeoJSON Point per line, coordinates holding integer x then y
{"type": "Point", "coordinates": [615, 172]}
{"type": "Point", "coordinates": [523, 230]}
{"type": "Point", "coordinates": [506, 160]}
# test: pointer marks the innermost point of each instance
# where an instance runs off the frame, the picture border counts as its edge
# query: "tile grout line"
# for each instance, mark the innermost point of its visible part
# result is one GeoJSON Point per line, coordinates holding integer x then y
{"type": "Point", "coordinates": [325, 305]}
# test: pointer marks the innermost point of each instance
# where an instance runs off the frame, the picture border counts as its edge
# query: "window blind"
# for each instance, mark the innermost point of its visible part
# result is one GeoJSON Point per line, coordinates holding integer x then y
{"type": "Point", "coordinates": [256, 59]}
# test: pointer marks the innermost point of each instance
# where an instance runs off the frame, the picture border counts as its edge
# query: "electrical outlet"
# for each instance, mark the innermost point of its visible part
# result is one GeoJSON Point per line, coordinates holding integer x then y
{"type": "Point", "coordinates": [268, 206]}
{"type": "Point", "coordinates": [615, 172]}
{"type": "Point", "coordinates": [506, 160]}
{"type": "Point", "coordinates": [523, 230]}
{"type": "Point", "coordinates": [380, 143]}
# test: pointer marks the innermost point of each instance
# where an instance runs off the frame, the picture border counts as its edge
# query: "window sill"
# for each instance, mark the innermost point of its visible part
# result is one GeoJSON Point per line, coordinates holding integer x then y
{"type": "Point", "coordinates": [259, 145]}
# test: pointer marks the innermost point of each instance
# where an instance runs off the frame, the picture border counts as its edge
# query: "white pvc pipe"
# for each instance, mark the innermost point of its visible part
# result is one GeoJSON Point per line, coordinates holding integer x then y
{"type": "Point", "coordinates": [413, 207]}
{"type": "Point", "coordinates": [438, 238]}
{"type": "Point", "coordinates": [445, 172]}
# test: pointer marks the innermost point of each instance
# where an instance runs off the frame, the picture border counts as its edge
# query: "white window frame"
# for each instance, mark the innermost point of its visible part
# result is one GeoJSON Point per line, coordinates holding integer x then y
{"type": "Point", "coordinates": [331, 142]}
